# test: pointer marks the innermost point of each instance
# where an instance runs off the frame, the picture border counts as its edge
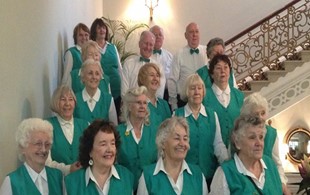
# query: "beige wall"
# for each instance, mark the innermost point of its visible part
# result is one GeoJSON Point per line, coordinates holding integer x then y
{"type": "Point", "coordinates": [33, 37]}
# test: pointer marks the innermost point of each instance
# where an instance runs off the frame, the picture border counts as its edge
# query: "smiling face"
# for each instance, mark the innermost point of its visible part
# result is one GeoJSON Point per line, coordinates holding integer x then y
{"type": "Point", "coordinates": [138, 108]}
{"type": "Point", "coordinates": [91, 76]}
{"type": "Point", "coordinates": [104, 149]}
{"type": "Point", "coordinates": [82, 37]}
{"type": "Point", "coordinates": [66, 106]}
{"type": "Point", "coordinates": [221, 73]}
{"type": "Point", "coordinates": [146, 44]}
{"type": "Point", "coordinates": [192, 35]}
{"type": "Point", "coordinates": [251, 143]}
{"type": "Point", "coordinates": [152, 80]}
{"type": "Point", "coordinates": [101, 32]}
{"type": "Point", "coordinates": [37, 149]}
{"type": "Point", "coordinates": [177, 144]}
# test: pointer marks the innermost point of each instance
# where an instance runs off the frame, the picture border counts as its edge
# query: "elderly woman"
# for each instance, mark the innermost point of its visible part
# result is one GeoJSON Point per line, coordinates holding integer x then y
{"type": "Point", "coordinates": [214, 47]}
{"type": "Point", "coordinates": [257, 105]}
{"type": "Point", "coordinates": [67, 131]}
{"type": "Point", "coordinates": [226, 101]}
{"type": "Point", "coordinates": [34, 138]}
{"type": "Point", "coordinates": [98, 149]}
{"type": "Point", "coordinates": [207, 147]}
{"type": "Point", "coordinates": [90, 50]}
{"type": "Point", "coordinates": [92, 103]}
{"type": "Point", "coordinates": [249, 171]}
{"type": "Point", "coordinates": [72, 59]}
{"type": "Point", "coordinates": [137, 135]}
{"type": "Point", "coordinates": [110, 60]}
{"type": "Point", "coordinates": [171, 174]}
{"type": "Point", "coordinates": [149, 76]}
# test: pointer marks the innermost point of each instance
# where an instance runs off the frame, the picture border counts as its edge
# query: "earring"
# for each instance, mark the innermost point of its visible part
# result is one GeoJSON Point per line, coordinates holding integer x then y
{"type": "Point", "coordinates": [90, 162]}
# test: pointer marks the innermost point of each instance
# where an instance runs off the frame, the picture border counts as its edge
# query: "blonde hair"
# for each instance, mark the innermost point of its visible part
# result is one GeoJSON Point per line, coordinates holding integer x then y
{"type": "Point", "coordinates": [143, 72]}
{"type": "Point", "coordinates": [193, 79]}
{"type": "Point", "coordinates": [58, 93]}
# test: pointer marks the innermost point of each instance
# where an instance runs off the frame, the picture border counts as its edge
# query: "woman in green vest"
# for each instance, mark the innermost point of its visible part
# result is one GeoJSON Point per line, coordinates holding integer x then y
{"type": "Point", "coordinates": [149, 76]}
{"type": "Point", "coordinates": [171, 174]}
{"type": "Point", "coordinates": [99, 145]}
{"type": "Point", "coordinates": [226, 101]}
{"type": "Point", "coordinates": [257, 105]}
{"type": "Point", "coordinates": [137, 133]}
{"type": "Point", "coordinates": [207, 147]}
{"type": "Point", "coordinates": [91, 102]}
{"type": "Point", "coordinates": [67, 131]}
{"type": "Point", "coordinates": [34, 137]}
{"type": "Point", "coordinates": [249, 171]}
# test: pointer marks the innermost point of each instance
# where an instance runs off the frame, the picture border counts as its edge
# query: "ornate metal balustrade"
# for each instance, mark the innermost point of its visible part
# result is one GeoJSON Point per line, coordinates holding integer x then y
{"type": "Point", "coordinates": [267, 44]}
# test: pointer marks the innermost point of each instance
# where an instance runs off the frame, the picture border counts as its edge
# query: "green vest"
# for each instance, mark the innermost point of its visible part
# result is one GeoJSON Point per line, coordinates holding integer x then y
{"type": "Point", "coordinates": [76, 57]}
{"type": "Point", "coordinates": [77, 85]}
{"type": "Point", "coordinates": [160, 113]}
{"type": "Point", "coordinates": [21, 182]}
{"type": "Point", "coordinates": [100, 111]}
{"type": "Point", "coordinates": [109, 62]}
{"type": "Point", "coordinates": [76, 184]}
{"type": "Point", "coordinates": [160, 184]}
{"type": "Point", "coordinates": [203, 72]}
{"type": "Point", "coordinates": [270, 138]}
{"type": "Point", "coordinates": [202, 135]}
{"type": "Point", "coordinates": [240, 184]}
{"type": "Point", "coordinates": [227, 115]}
{"type": "Point", "coordinates": [134, 156]}
{"type": "Point", "coordinates": [62, 151]}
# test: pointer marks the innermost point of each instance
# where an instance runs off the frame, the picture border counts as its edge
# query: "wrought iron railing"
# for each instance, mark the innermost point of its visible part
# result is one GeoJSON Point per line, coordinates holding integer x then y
{"type": "Point", "coordinates": [268, 43]}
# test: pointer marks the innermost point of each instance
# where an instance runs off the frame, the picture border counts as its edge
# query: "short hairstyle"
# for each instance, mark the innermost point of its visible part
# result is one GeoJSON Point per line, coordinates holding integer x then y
{"type": "Point", "coordinates": [58, 93]}
{"type": "Point", "coordinates": [93, 32]}
{"type": "Point", "coordinates": [166, 128]}
{"type": "Point", "coordinates": [143, 72]}
{"type": "Point", "coordinates": [213, 42]}
{"type": "Point", "coordinates": [252, 102]}
{"type": "Point", "coordinates": [216, 59]}
{"type": "Point", "coordinates": [88, 138]}
{"type": "Point", "coordinates": [77, 28]}
{"type": "Point", "coordinates": [87, 63]}
{"type": "Point", "coordinates": [145, 33]}
{"type": "Point", "coordinates": [29, 126]}
{"type": "Point", "coordinates": [193, 79]}
{"type": "Point", "coordinates": [129, 97]}
{"type": "Point", "coordinates": [86, 46]}
{"type": "Point", "coordinates": [242, 123]}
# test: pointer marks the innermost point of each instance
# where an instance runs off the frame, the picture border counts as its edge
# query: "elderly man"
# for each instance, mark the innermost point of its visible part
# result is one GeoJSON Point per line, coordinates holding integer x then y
{"type": "Point", "coordinates": [132, 65]}
{"type": "Point", "coordinates": [163, 56]}
{"type": "Point", "coordinates": [185, 62]}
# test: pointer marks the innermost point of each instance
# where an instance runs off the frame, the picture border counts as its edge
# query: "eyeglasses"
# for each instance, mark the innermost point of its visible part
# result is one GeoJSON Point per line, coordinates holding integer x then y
{"type": "Point", "coordinates": [39, 145]}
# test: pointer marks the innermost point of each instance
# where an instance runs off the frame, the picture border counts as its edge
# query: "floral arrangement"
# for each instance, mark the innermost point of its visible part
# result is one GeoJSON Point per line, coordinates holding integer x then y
{"type": "Point", "coordinates": [304, 170]}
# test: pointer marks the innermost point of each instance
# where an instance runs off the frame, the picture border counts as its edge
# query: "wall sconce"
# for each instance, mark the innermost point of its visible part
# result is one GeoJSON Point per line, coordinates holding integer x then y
{"type": "Point", "coordinates": [151, 4]}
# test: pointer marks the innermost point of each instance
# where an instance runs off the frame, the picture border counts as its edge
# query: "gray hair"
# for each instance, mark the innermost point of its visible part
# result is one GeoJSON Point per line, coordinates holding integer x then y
{"type": "Point", "coordinates": [242, 123]}
{"type": "Point", "coordinates": [129, 97]}
{"type": "Point", "coordinates": [146, 33]}
{"type": "Point", "coordinates": [193, 79]}
{"type": "Point", "coordinates": [58, 93]}
{"type": "Point", "coordinates": [29, 126]}
{"type": "Point", "coordinates": [166, 128]}
{"type": "Point", "coordinates": [87, 63]}
{"type": "Point", "coordinates": [213, 42]}
{"type": "Point", "coordinates": [253, 101]}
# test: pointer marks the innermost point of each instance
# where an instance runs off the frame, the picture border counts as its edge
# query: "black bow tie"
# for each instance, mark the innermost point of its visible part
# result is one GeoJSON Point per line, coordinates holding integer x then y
{"type": "Point", "coordinates": [142, 59]}
{"type": "Point", "coordinates": [194, 51]}
{"type": "Point", "coordinates": [157, 51]}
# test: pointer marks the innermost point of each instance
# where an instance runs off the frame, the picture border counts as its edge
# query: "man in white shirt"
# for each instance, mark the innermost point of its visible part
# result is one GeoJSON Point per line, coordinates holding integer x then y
{"type": "Point", "coordinates": [163, 56]}
{"type": "Point", "coordinates": [185, 62]}
{"type": "Point", "coordinates": [132, 65]}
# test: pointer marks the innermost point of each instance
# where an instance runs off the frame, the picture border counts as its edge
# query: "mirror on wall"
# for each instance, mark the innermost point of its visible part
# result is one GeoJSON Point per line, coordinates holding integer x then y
{"type": "Point", "coordinates": [298, 142]}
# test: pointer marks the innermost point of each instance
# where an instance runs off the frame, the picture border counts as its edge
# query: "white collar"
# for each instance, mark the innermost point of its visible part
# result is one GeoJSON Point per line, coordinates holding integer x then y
{"type": "Point", "coordinates": [90, 176]}
{"type": "Point", "coordinates": [242, 169]}
{"type": "Point", "coordinates": [63, 121]}
{"type": "Point", "coordinates": [78, 48]}
{"type": "Point", "coordinates": [188, 111]}
{"type": "Point", "coordinates": [160, 167]}
{"type": "Point", "coordinates": [218, 91]}
{"type": "Point", "coordinates": [86, 96]}
{"type": "Point", "coordinates": [34, 175]}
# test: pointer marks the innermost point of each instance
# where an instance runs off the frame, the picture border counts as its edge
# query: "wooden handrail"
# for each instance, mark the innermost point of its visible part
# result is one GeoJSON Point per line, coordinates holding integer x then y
{"type": "Point", "coordinates": [261, 22]}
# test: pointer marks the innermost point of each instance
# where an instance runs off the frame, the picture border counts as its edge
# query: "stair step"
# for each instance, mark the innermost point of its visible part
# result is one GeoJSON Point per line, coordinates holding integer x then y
{"type": "Point", "coordinates": [274, 75]}
{"type": "Point", "coordinates": [290, 65]}
{"type": "Point", "coordinates": [305, 55]}
{"type": "Point", "coordinates": [257, 85]}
